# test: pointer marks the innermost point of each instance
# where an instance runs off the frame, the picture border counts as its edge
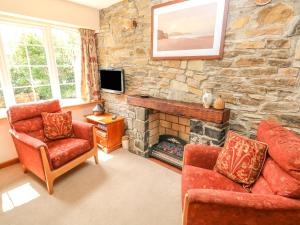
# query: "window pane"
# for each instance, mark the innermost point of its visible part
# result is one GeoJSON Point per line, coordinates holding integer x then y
{"type": "Point", "coordinates": [40, 75]}
{"type": "Point", "coordinates": [66, 75]}
{"type": "Point", "coordinates": [20, 76]}
{"type": "Point", "coordinates": [2, 102]}
{"type": "Point", "coordinates": [19, 56]}
{"type": "Point", "coordinates": [68, 91]}
{"type": "Point", "coordinates": [43, 93]}
{"type": "Point", "coordinates": [24, 95]}
{"type": "Point", "coordinates": [67, 56]}
{"type": "Point", "coordinates": [25, 52]}
{"type": "Point", "coordinates": [37, 55]}
{"type": "Point", "coordinates": [64, 56]}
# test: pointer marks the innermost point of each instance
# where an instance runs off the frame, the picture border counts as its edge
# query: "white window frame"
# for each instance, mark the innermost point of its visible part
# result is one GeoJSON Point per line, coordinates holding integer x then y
{"type": "Point", "coordinates": [5, 78]}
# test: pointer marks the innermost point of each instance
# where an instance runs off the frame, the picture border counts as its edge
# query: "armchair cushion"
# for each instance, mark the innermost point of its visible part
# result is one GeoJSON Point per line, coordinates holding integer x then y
{"type": "Point", "coordinates": [281, 182]}
{"type": "Point", "coordinates": [203, 156]}
{"type": "Point", "coordinates": [195, 177]}
{"type": "Point", "coordinates": [241, 159]}
{"type": "Point", "coordinates": [284, 146]}
{"type": "Point", "coordinates": [57, 125]}
{"type": "Point", "coordinates": [83, 130]}
{"type": "Point", "coordinates": [64, 150]}
{"type": "Point", "coordinates": [262, 187]}
{"type": "Point", "coordinates": [33, 127]}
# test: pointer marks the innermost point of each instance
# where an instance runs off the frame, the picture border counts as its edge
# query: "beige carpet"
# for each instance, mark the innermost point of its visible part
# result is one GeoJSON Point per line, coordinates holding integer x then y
{"type": "Point", "coordinates": [124, 189]}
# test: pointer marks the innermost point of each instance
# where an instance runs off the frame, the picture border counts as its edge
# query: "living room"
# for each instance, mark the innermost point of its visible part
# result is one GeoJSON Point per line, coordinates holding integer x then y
{"type": "Point", "coordinates": [146, 112]}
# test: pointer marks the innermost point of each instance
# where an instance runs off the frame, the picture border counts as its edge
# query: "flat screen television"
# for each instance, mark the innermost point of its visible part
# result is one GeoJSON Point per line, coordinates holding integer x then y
{"type": "Point", "coordinates": [112, 80]}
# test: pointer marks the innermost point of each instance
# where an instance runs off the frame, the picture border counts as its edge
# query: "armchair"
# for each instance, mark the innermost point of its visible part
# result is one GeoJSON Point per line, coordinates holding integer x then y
{"type": "Point", "coordinates": [209, 198]}
{"type": "Point", "coordinates": [48, 159]}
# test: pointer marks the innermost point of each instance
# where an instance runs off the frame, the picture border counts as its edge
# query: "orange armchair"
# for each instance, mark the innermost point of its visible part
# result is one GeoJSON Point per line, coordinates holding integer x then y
{"type": "Point", "coordinates": [48, 159]}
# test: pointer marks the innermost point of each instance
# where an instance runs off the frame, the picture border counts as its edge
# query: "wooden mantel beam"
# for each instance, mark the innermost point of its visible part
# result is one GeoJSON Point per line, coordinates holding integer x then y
{"type": "Point", "coordinates": [184, 109]}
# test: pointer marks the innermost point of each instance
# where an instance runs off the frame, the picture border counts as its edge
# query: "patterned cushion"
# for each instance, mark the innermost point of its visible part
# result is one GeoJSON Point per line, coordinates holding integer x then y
{"type": "Point", "coordinates": [57, 125]}
{"type": "Point", "coordinates": [64, 150]}
{"type": "Point", "coordinates": [241, 159]}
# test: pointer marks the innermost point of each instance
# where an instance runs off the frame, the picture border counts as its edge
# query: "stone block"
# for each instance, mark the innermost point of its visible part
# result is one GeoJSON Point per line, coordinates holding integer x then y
{"type": "Point", "coordinates": [184, 121]}
{"type": "Point", "coordinates": [171, 132]}
{"type": "Point", "coordinates": [184, 136]}
{"type": "Point", "coordinates": [278, 13]}
{"type": "Point", "coordinates": [162, 130]}
{"type": "Point", "coordinates": [172, 118]}
{"type": "Point", "coordinates": [178, 127]}
{"type": "Point", "coordinates": [141, 126]}
{"type": "Point", "coordinates": [165, 124]}
{"type": "Point", "coordinates": [153, 117]}
{"type": "Point", "coordinates": [250, 45]}
{"type": "Point", "coordinates": [142, 113]}
{"type": "Point", "coordinates": [162, 116]}
{"type": "Point", "coordinates": [153, 132]}
{"type": "Point", "coordinates": [278, 43]}
{"type": "Point", "coordinates": [153, 124]}
{"type": "Point", "coordinates": [217, 134]}
{"type": "Point", "coordinates": [249, 61]}
{"type": "Point", "coordinates": [199, 139]}
{"type": "Point", "coordinates": [196, 126]}
{"type": "Point", "coordinates": [240, 22]}
{"type": "Point", "coordinates": [141, 145]}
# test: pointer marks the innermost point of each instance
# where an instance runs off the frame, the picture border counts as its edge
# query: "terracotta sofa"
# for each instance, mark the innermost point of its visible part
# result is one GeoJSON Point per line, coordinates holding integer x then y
{"type": "Point", "coordinates": [209, 198]}
{"type": "Point", "coordinates": [48, 160]}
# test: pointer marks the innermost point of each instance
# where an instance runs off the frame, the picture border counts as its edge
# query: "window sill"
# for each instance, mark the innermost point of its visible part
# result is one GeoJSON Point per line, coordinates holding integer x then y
{"type": "Point", "coordinates": [70, 105]}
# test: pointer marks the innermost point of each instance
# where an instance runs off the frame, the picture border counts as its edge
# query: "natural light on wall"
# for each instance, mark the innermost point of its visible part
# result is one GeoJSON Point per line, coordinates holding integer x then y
{"type": "Point", "coordinates": [18, 196]}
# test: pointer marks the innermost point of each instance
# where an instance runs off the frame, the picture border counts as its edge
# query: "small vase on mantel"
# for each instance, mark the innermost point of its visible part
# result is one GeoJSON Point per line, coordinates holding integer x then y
{"type": "Point", "coordinates": [219, 103]}
{"type": "Point", "coordinates": [207, 98]}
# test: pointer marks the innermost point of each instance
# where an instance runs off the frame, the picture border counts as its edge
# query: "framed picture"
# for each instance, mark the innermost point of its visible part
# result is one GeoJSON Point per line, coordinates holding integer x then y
{"type": "Point", "coordinates": [189, 29]}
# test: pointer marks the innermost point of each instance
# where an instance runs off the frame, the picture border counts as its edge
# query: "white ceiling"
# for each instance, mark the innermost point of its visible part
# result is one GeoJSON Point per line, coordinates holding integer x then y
{"type": "Point", "coordinates": [98, 4]}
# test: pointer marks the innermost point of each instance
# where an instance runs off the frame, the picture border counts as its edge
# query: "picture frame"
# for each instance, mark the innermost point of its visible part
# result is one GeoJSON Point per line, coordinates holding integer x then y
{"type": "Point", "coordinates": [189, 29]}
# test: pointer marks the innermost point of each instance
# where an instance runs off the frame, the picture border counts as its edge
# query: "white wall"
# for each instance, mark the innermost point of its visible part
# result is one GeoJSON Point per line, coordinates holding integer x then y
{"type": "Point", "coordinates": [7, 148]}
{"type": "Point", "coordinates": [54, 10]}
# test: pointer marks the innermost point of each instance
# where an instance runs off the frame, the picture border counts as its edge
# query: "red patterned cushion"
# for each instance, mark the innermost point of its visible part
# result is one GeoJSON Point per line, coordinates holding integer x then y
{"type": "Point", "coordinates": [64, 150]}
{"type": "Point", "coordinates": [57, 125]}
{"type": "Point", "coordinates": [241, 159]}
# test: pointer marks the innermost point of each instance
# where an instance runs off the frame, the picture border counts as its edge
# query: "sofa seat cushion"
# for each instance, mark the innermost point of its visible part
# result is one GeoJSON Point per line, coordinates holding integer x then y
{"type": "Point", "coordinates": [284, 146]}
{"type": "Point", "coordinates": [64, 150]}
{"type": "Point", "coordinates": [195, 177]}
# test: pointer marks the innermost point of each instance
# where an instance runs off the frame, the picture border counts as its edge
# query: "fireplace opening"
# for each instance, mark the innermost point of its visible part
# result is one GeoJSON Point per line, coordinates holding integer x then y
{"type": "Point", "coordinates": [169, 149]}
{"type": "Point", "coordinates": [168, 134]}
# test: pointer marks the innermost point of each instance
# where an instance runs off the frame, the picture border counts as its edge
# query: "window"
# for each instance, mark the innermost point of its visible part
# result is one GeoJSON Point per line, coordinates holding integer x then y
{"type": "Point", "coordinates": [40, 63]}
{"type": "Point", "coordinates": [66, 58]}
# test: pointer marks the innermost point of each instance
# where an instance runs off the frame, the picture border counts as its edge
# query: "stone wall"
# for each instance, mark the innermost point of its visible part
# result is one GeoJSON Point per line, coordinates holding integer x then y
{"type": "Point", "coordinates": [258, 76]}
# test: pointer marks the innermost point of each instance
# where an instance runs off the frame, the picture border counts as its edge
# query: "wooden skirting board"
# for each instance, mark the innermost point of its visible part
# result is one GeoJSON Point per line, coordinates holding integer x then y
{"type": "Point", "coordinates": [9, 163]}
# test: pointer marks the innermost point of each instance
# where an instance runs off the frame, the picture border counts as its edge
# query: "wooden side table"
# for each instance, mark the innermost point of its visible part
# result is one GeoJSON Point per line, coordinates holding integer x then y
{"type": "Point", "coordinates": [108, 132]}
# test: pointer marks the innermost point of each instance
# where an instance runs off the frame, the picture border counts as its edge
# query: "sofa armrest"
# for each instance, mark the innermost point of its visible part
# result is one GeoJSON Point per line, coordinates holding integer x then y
{"type": "Point", "coordinates": [203, 156]}
{"type": "Point", "coordinates": [28, 140]}
{"type": "Point", "coordinates": [83, 130]}
{"type": "Point", "coordinates": [207, 206]}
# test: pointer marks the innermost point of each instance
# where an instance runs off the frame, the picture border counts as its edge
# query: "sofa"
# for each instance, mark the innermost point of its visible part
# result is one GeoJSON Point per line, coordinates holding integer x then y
{"type": "Point", "coordinates": [48, 159]}
{"type": "Point", "coordinates": [209, 198]}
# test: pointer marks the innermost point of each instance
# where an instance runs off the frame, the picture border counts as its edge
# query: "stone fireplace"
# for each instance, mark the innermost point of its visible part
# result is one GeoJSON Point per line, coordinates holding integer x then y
{"type": "Point", "coordinates": [174, 124]}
